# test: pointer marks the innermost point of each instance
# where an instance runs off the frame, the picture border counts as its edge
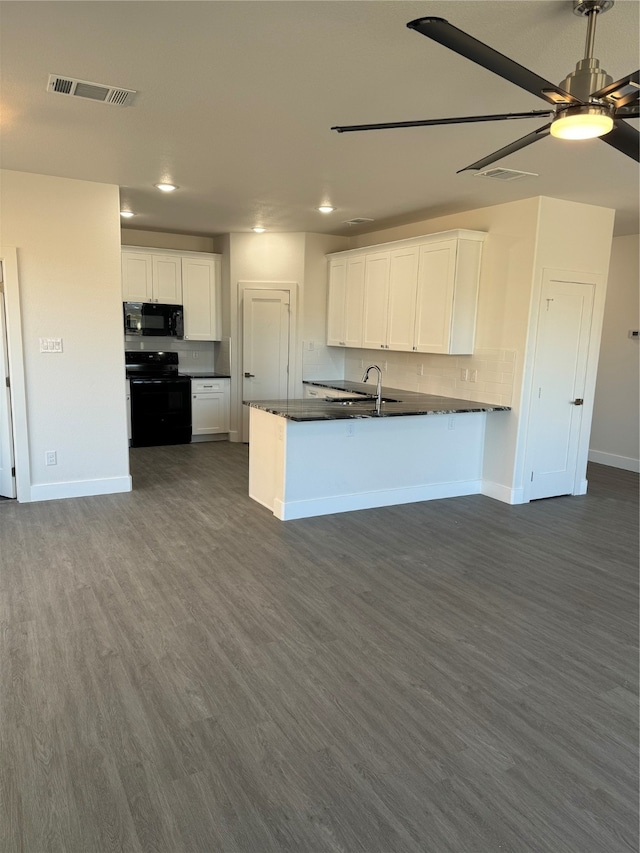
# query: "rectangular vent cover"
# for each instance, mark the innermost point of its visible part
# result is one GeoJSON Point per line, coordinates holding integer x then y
{"type": "Point", "coordinates": [359, 220]}
{"type": "Point", "coordinates": [506, 174]}
{"type": "Point", "coordinates": [93, 91]}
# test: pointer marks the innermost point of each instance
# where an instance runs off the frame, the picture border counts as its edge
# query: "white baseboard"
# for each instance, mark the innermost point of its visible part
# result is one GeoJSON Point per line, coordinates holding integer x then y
{"type": "Point", "coordinates": [615, 461]}
{"type": "Point", "coordinates": [289, 510]}
{"type": "Point", "coordinates": [503, 493]}
{"type": "Point", "coordinates": [79, 488]}
{"type": "Point", "coordinates": [216, 436]}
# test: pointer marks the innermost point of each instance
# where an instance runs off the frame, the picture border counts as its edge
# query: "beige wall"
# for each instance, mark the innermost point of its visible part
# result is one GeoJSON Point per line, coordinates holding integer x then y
{"type": "Point", "coordinates": [167, 240]}
{"type": "Point", "coordinates": [67, 236]}
{"type": "Point", "coordinates": [615, 433]}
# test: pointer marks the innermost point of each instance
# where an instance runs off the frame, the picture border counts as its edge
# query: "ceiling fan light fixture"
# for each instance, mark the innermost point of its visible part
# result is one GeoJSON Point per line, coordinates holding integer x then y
{"type": "Point", "coordinates": [582, 122]}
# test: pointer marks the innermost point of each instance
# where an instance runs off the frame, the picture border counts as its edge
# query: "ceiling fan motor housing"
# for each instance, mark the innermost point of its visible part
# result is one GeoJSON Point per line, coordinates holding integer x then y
{"type": "Point", "coordinates": [587, 78]}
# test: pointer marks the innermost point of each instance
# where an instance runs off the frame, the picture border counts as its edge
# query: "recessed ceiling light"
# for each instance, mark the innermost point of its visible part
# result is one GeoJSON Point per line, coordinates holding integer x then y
{"type": "Point", "coordinates": [126, 214]}
{"type": "Point", "coordinates": [326, 208]}
{"type": "Point", "coordinates": [166, 188]}
{"type": "Point", "coordinates": [259, 230]}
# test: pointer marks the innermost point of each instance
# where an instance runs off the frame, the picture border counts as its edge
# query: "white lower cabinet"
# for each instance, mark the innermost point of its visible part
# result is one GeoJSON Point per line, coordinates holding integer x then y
{"type": "Point", "coordinates": [209, 408]}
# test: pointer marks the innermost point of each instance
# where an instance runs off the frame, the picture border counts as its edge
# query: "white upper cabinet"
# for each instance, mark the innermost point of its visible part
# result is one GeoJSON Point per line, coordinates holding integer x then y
{"type": "Point", "coordinates": [167, 279]}
{"type": "Point", "coordinates": [446, 305]}
{"type": "Point", "coordinates": [418, 295]}
{"type": "Point", "coordinates": [376, 300]}
{"type": "Point", "coordinates": [346, 292]}
{"type": "Point", "coordinates": [201, 299]}
{"type": "Point", "coordinates": [148, 277]}
{"type": "Point", "coordinates": [136, 277]}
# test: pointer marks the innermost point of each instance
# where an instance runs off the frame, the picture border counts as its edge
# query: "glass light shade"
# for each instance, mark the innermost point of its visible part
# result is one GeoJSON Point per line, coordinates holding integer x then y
{"type": "Point", "coordinates": [583, 123]}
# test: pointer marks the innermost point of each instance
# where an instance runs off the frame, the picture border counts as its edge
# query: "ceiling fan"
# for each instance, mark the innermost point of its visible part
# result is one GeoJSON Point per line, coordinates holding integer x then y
{"type": "Point", "coordinates": [586, 104]}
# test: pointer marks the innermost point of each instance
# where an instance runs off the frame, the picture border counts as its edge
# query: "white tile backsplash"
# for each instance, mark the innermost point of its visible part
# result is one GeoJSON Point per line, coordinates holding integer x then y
{"type": "Point", "coordinates": [441, 374]}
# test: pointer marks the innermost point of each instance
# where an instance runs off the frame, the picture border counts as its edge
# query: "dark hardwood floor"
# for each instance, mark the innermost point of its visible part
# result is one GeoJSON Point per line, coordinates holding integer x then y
{"type": "Point", "coordinates": [183, 672]}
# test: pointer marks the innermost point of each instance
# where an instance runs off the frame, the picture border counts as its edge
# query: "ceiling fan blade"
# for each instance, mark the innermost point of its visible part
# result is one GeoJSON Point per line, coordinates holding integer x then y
{"type": "Point", "coordinates": [540, 133]}
{"type": "Point", "coordinates": [622, 92]}
{"type": "Point", "coordinates": [629, 111]}
{"type": "Point", "coordinates": [625, 138]}
{"type": "Point", "coordinates": [431, 122]}
{"type": "Point", "coordinates": [446, 34]}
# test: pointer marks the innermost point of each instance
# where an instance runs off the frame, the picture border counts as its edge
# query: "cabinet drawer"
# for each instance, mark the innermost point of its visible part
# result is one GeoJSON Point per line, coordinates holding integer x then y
{"type": "Point", "coordinates": [199, 386]}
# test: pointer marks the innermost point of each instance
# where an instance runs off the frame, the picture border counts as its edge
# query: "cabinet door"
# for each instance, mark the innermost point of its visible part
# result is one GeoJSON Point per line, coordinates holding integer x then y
{"type": "Point", "coordinates": [353, 302]}
{"type": "Point", "coordinates": [376, 300]}
{"type": "Point", "coordinates": [167, 279]}
{"type": "Point", "coordinates": [403, 284]}
{"type": "Point", "coordinates": [201, 299]}
{"type": "Point", "coordinates": [136, 277]}
{"type": "Point", "coordinates": [434, 303]}
{"type": "Point", "coordinates": [335, 305]}
{"type": "Point", "coordinates": [209, 406]}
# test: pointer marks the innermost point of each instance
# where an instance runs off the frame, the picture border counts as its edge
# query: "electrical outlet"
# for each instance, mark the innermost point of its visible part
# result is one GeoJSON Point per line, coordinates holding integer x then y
{"type": "Point", "coordinates": [196, 354]}
{"type": "Point", "coordinates": [473, 376]}
{"type": "Point", "coordinates": [420, 370]}
{"type": "Point", "coordinates": [350, 430]}
{"type": "Point", "coordinates": [451, 423]}
{"type": "Point", "coordinates": [464, 374]}
{"type": "Point", "coordinates": [51, 457]}
{"type": "Point", "coordinates": [383, 366]}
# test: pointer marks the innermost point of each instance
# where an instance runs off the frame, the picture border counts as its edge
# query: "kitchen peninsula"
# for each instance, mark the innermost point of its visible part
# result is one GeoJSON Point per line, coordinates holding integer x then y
{"type": "Point", "coordinates": [316, 456]}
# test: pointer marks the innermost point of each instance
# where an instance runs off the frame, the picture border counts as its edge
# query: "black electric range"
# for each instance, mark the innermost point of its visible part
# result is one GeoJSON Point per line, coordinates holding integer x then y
{"type": "Point", "coordinates": [160, 399]}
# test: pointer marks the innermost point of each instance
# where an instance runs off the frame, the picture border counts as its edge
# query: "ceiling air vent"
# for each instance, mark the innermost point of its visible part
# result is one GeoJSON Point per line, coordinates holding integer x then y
{"type": "Point", "coordinates": [92, 91]}
{"type": "Point", "coordinates": [359, 220]}
{"type": "Point", "coordinates": [506, 174]}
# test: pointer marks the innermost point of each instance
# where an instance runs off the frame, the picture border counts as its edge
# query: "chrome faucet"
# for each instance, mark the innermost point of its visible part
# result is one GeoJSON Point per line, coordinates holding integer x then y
{"type": "Point", "coordinates": [379, 388]}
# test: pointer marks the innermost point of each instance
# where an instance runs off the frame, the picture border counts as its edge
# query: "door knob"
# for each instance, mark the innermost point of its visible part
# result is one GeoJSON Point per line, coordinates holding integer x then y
{"type": "Point", "coordinates": [578, 401]}
{"type": "Point", "coordinates": [249, 376]}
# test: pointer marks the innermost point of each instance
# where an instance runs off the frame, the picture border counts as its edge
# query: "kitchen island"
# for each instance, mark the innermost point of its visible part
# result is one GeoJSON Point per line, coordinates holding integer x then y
{"type": "Point", "coordinates": [317, 456]}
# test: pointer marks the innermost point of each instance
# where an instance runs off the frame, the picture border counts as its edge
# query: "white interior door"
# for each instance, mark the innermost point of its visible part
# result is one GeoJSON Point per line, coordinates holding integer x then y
{"type": "Point", "coordinates": [265, 346]}
{"type": "Point", "coordinates": [562, 349]}
{"type": "Point", "coordinates": [7, 476]}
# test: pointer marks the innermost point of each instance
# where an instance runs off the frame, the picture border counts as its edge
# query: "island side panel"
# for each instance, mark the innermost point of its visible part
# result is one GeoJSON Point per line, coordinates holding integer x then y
{"type": "Point", "coordinates": [341, 465]}
{"type": "Point", "coordinates": [267, 438]}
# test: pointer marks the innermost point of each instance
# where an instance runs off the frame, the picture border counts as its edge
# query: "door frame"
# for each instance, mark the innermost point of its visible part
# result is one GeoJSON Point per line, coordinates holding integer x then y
{"type": "Point", "coordinates": [598, 282]}
{"type": "Point", "coordinates": [236, 354]}
{"type": "Point", "coordinates": [13, 317]}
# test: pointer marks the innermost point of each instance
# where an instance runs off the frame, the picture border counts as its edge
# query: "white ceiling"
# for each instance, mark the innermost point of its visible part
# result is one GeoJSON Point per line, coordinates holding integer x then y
{"type": "Point", "coordinates": [236, 100]}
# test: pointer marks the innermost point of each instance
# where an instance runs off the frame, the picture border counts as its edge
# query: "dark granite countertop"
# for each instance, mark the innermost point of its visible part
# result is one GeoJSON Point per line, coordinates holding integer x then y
{"type": "Point", "coordinates": [398, 403]}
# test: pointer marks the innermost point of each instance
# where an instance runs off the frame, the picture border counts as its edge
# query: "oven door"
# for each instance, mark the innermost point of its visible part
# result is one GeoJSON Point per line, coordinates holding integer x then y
{"type": "Point", "coordinates": [160, 411]}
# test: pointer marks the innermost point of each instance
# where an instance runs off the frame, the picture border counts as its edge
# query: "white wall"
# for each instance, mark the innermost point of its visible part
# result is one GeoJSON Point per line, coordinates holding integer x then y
{"type": "Point", "coordinates": [614, 432]}
{"type": "Point", "coordinates": [67, 236]}
{"type": "Point", "coordinates": [318, 360]}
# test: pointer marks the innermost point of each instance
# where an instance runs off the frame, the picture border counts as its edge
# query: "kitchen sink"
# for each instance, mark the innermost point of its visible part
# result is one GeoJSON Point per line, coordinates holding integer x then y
{"type": "Point", "coordinates": [352, 401]}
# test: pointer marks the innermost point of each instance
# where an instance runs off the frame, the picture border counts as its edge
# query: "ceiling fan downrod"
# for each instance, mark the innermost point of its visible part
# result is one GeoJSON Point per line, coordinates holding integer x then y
{"type": "Point", "coordinates": [589, 76]}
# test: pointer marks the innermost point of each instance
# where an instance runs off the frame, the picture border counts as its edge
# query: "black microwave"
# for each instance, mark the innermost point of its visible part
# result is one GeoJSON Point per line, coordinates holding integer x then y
{"type": "Point", "coordinates": [152, 318]}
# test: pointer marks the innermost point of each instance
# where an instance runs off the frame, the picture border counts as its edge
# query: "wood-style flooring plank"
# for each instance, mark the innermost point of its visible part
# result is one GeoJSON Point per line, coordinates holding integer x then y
{"type": "Point", "coordinates": [183, 673]}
